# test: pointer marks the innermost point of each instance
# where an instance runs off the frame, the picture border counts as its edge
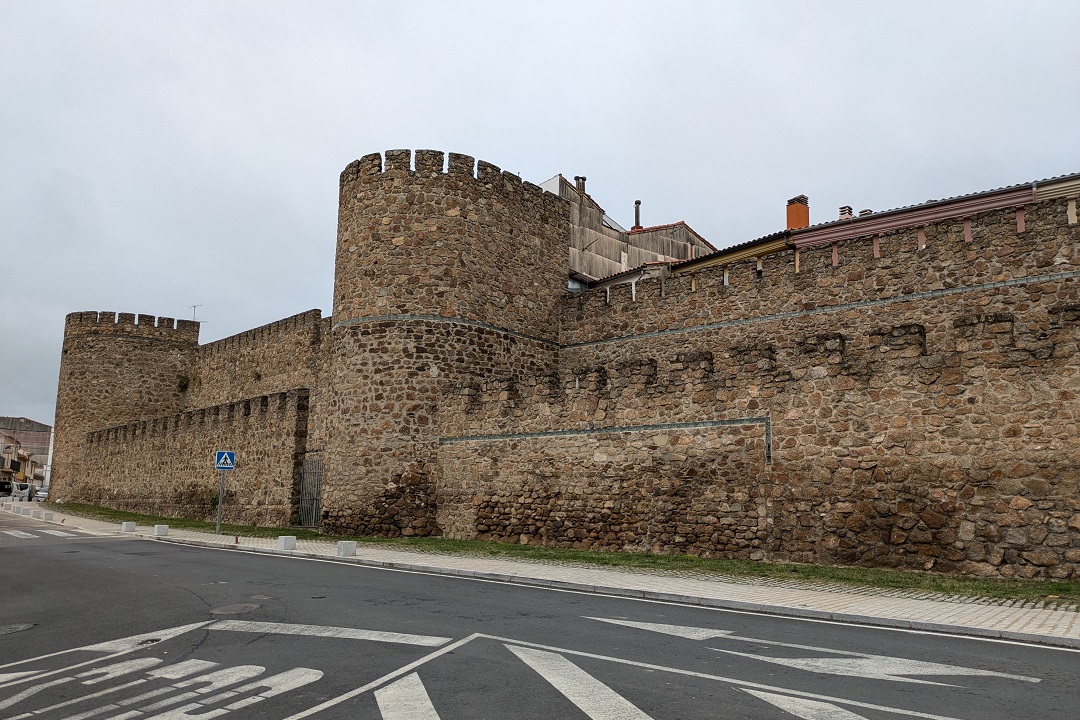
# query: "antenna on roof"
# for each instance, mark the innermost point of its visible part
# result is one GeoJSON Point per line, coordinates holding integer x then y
{"type": "Point", "coordinates": [193, 308]}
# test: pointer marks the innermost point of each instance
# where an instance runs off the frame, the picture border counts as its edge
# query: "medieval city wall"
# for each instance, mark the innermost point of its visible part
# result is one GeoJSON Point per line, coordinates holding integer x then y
{"type": "Point", "coordinates": [446, 267]}
{"type": "Point", "coordinates": [917, 409]}
{"type": "Point", "coordinates": [165, 465]}
{"type": "Point", "coordinates": [272, 358]}
{"type": "Point", "coordinates": [114, 368]}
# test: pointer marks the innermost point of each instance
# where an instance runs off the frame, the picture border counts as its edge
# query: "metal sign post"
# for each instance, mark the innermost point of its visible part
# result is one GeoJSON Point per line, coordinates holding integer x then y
{"type": "Point", "coordinates": [223, 460]}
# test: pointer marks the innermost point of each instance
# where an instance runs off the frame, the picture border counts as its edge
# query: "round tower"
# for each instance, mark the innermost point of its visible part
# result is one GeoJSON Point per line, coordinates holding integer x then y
{"type": "Point", "coordinates": [115, 368]}
{"type": "Point", "coordinates": [443, 271]}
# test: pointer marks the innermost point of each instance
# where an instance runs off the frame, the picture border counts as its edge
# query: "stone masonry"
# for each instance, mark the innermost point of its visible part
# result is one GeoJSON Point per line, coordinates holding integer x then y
{"type": "Point", "coordinates": [903, 397]}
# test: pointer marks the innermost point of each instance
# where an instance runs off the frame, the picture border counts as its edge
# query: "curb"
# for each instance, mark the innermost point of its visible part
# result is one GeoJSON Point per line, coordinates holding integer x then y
{"type": "Point", "coordinates": [709, 602]}
{"type": "Point", "coordinates": [693, 600]}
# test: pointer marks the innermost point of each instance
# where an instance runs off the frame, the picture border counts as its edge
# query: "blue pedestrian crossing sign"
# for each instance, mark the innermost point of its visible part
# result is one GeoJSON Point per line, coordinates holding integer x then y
{"type": "Point", "coordinates": [225, 460]}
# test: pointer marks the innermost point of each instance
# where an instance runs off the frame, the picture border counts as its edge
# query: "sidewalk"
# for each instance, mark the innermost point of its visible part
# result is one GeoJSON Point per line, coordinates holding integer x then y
{"type": "Point", "coordinates": [981, 617]}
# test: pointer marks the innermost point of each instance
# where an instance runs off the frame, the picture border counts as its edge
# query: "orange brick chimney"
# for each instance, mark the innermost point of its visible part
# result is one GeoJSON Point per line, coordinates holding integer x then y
{"type": "Point", "coordinates": [798, 212]}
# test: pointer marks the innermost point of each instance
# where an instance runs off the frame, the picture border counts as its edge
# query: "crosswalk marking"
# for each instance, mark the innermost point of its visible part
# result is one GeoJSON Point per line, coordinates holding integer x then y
{"type": "Point", "coordinates": [18, 533]}
{"type": "Point", "coordinates": [406, 699]}
{"type": "Point", "coordinates": [59, 533]}
{"type": "Point", "coordinates": [592, 697]}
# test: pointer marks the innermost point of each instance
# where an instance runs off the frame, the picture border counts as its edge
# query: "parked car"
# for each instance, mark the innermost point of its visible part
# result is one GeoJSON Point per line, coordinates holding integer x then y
{"type": "Point", "coordinates": [42, 494]}
{"type": "Point", "coordinates": [21, 491]}
{"type": "Point", "coordinates": [5, 488]}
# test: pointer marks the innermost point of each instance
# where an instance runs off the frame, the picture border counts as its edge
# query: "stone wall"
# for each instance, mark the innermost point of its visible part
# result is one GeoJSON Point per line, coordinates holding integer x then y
{"type": "Point", "coordinates": [922, 405]}
{"type": "Point", "coordinates": [165, 465]}
{"type": "Point", "coordinates": [906, 399]}
{"type": "Point", "coordinates": [114, 368]}
{"type": "Point", "coordinates": [445, 267]}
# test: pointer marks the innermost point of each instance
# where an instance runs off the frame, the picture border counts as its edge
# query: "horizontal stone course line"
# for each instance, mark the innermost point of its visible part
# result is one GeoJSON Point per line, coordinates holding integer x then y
{"type": "Point", "coordinates": [930, 294]}
{"type": "Point", "coordinates": [766, 422]}
{"type": "Point", "coordinates": [441, 319]}
{"type": "Point", "coordinates": [126, 336]}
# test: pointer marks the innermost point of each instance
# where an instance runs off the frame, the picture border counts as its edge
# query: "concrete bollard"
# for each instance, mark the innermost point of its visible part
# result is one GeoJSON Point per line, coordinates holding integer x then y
{"type": "Point", "coordinates": [35, 514]}
{"type": "Point", "coordinates": [127, 527]}
{"type": "Point", "coordinates": [346, 548]}
{"type": "Point", "coordinates": [47, 517]}
{"type": "Point", "coordinates": [286, 542]}
{"type": "Point", "coordinates": [161, 530]}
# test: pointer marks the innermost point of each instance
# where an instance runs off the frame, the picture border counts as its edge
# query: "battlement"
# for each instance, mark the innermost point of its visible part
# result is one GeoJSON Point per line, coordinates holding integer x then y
{"type": "Point", "coordinates": [263, 406]}
{"type": "Point", "coordinates": [306, 322]}
{"type": "Point", "coordinates": [131, 325]}
{"type": "Point", "coordinates": [917, 261]}
{"type": "Point", "coordinates": [435, 164]}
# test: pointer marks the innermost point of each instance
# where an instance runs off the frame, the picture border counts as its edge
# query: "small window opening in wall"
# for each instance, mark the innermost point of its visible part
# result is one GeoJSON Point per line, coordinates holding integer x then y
{"type": "Point", "coordinates": [835, 256]}
{"type": "Point", "coordinates": [725, 276]}
{"type": "Point", "coordinates": [759, 270]}
{"type": "Point", "coordinates": [921, 243]}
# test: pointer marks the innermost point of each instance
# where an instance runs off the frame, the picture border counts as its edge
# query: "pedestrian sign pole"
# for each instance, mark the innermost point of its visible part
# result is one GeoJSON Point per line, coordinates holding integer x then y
{"type": "Point", "coordinates": [224, 460]}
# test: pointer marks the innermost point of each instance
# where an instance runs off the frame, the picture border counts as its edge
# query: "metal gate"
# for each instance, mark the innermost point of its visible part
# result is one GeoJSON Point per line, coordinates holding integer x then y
{"type": "Point", "coordinates": [307, 513]}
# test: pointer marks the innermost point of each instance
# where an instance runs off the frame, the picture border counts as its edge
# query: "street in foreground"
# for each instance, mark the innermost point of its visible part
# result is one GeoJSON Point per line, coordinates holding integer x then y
{"type": "Point", "coordinates": [118, 628]}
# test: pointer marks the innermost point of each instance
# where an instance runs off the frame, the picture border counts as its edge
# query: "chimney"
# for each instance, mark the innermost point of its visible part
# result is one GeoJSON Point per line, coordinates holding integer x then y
{"type": "Point", "coordinates": [798, 212]}
{"type": "Point", "coordinates": [846, 213]}
{"type": "Point", "coordinates": [580, 180]}
{"type": "Point", "coordinates": [864, 213]}
{"type": "Point", "coordinates": [637, 215]}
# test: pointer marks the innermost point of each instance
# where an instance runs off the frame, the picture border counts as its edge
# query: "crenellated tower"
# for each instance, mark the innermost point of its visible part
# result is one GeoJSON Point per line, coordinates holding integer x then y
{"type": "Point", "coordinates": [446, 269]}
{"type": "Point", "coordinates": [115, 368]}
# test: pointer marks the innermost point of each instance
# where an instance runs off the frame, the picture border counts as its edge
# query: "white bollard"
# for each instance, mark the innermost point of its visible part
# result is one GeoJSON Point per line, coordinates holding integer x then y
{"type": "Point", "coordinates": [286, 542]}
{"type": "Point", "coordinates": [127, 527]}
{"type": "Point", "coordinates": [161, 530]}
{"type": "Point", "coordinates": [346, 548]}
{"type": "Point", "coordinates": [35, 514]}
{"type": "Point", "coordinates": [47, 517]}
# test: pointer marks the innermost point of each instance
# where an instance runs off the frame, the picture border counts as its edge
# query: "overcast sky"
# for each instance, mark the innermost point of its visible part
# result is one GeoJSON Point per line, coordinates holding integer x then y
{"type": "Point", "coordinates": [158, 155]}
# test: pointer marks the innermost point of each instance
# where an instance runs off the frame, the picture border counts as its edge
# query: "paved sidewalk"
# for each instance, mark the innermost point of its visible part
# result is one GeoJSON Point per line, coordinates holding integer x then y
{"type": "Point", "coordinates": [982, 617]}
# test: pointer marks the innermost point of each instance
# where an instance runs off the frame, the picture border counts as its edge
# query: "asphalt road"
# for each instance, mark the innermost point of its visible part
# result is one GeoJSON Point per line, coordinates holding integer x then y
{"type": "Point", "coordinates": [119, 628]}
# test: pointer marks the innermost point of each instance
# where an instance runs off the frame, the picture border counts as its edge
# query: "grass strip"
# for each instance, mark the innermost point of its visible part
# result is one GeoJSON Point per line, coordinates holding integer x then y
{"type": "Point", "coordinates": [1049, 591]}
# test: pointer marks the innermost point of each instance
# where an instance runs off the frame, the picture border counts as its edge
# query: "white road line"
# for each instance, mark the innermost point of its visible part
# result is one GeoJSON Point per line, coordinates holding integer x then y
{"type": "Point", "coordinates": [116, 647]}
{"type": "Point", "coordinates": [719, 678]}
{"type": "Point", "coordinates": [18, 534]}
{"type": "Point", "coordinates": [876, 667]}
{"type": "Point", "coordinates": [59, 533]}
{"type": "Point", "coordinates": [806, 709]}
{"type": "Point", "coordinates": [270, 628]}
{"type": "Point", "coordinates": [592, 697]}
{"type": "Point", "coordinates": [406, 699]}
{"type": "Point", "coordinates": [378, 682]}
{"type": "Point", "coordinates": [684, 631]}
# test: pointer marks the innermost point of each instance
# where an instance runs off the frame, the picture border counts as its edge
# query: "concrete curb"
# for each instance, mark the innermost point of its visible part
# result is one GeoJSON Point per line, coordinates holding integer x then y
{"type": "Point", "coordinates": [710, 602]}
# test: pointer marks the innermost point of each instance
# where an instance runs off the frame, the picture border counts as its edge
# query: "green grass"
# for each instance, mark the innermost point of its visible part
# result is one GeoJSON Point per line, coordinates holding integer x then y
{"type": "Point", "coordinates": [1058, 592]}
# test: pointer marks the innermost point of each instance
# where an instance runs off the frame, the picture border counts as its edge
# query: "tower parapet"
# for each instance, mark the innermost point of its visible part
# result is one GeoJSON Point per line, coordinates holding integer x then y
{"type": "Point", "coordinates": [116, 368]}
{"type": "Point", "coordinates": [446, 267]}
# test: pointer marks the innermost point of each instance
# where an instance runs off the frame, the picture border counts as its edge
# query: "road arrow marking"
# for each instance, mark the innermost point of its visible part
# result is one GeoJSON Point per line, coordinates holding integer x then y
{"type": "Point", "coordinates": [683, 631]}
{"type": "Point", "coordinates": [806, 709]}
{"type": "Point", "coordinates": [592, 697]}
{"type": "Point", "coordinates": [270, 628]}
{"type": "Point", "coordinates": [875, 667]}
{"type": "Point", "coordinates": [406, 699]}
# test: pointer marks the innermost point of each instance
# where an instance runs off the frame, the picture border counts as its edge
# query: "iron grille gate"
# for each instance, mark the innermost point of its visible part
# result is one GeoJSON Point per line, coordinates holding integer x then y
{"type": "Point", "coordinates": [307, 513]}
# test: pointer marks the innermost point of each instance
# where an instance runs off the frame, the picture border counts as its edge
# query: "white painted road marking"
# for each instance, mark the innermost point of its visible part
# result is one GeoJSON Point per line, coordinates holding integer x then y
{"type": "Point", "coordinates": [406, 699]}
{"type": "Point", "coordinates": [874, 667]}
{"type": "Point", "coordinates": [18, 533]}
{"type": "Point", "coordinates": [592, 697]}
{"type": "Point", "coordinates": [719, 678]}
{"type": "Point", "coordinates": [684, 631]}
{"type": "Point", "coordinates": [269, 628]}
{"type": "Point", "coordinates": [59, 533]}
{"type": "Point", "coordinates": [806, 709]}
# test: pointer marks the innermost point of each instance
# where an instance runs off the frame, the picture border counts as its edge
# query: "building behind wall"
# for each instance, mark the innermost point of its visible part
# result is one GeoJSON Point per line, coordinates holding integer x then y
{"type": "Point", "coordinates": [895, 388]}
